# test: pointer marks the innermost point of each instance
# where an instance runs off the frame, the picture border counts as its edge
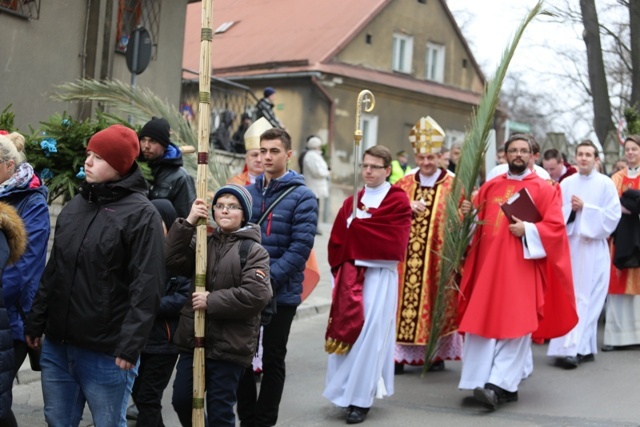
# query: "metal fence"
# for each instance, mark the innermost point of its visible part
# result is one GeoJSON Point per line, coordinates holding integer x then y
{"type": "Point", "coordinates": [229, 101]}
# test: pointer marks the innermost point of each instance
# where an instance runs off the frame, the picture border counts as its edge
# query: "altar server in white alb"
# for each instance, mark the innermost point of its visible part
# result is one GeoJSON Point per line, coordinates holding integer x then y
{"type": "Point", "coordinates": [363, 254]}
{"type": "Point", "coordinates": [591, 211]}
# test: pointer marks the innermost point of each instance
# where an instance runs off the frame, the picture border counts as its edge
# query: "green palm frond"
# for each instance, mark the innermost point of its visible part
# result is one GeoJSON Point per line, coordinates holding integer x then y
{"type": "Point", "coordinates": [141, 104]}
{"type": "Point", "coordinates": [459, 230]}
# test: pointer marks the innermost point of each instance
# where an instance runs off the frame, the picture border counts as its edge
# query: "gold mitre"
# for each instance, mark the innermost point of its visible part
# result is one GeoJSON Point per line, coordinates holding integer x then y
{"type": "Point", "coordinates": [252, 135]}
{"type": "Point", "coordinates": [426, 136]}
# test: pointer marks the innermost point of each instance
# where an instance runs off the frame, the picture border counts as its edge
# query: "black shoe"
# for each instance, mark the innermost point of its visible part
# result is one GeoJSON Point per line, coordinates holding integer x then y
{"type": "Point", "coordinates": [503, 395]}
{"type": "Point", "coordinates": [586, 358]}
{"type": "Point", "coordinates": [436, 366]}
{"type": "Point", "coordinates": [356, 414]}
{"type": "Point", "coordinates": [398, 369]}
{"type": "Point", "coordinates": [486, 396]}
{"type": "Point", "coordinates": [569, 362]}
{"type": "Point", "coordinates": [608, 348]}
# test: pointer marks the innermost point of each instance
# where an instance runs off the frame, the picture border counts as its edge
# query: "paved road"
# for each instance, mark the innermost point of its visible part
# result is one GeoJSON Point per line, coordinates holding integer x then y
{"type": "Point", "coordinates": [603, 393]}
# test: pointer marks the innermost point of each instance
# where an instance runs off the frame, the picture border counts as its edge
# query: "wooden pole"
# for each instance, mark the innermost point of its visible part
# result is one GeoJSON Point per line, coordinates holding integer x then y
{"type": "Point", "coordinates": [204, 117]}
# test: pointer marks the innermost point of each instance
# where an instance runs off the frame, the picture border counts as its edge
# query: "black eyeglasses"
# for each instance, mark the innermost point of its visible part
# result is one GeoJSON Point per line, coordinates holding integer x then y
{"type": "Point", "coordinates": [372, 167]}
{"type": "Point", "coordinates": [516, 151]}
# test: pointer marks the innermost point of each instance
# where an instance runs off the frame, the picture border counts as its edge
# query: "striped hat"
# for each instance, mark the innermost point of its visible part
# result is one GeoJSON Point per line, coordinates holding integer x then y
{"type": "Point", "coordinates": [240, 193]}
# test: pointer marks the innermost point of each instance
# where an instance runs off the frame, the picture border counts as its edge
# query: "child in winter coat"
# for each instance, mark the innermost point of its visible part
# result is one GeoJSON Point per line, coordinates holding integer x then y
{"type": "Point", "coordinates": [234, 297]}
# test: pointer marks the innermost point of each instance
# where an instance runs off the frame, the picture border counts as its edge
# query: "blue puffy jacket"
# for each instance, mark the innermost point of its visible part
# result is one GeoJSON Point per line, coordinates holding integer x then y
{"type": "Point", "coordinates": [287, 233]}
{"type": "Point", "coordinates": [20, 280]}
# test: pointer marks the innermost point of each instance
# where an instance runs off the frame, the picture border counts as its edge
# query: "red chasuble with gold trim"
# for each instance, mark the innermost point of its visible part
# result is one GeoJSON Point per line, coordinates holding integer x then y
{"type": "Point", "coordinates": [419, 274]}
{"type": "Point", "coordinates": [504, 295]}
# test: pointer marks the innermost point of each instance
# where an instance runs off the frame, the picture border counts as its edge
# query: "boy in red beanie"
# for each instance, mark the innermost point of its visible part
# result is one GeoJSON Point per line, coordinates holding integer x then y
{"type": "Point", "coordinates": [101, 289]}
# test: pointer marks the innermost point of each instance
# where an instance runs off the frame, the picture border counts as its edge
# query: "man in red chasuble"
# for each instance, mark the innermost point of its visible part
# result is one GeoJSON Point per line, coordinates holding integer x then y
{"type": "Point", "coordinates": [419, 274]}
{"type": "Point", "coordinates": [516, 281]}
{"type": "Point", "coordinates": [363, 254]}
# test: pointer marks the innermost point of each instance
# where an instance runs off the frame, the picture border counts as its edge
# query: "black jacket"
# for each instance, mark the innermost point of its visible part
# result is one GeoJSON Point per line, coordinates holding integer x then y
{"type": "Point", "coordinates": [102, 285]}
{"type": "Point", "coordinates": [265, 109]}
{"type": "Point", "coordinates": [627, 234]}
{"type": "Point", "coordinates": [172, 182]}
{"type": "Point", "coordinates": [237, 295]}
{"type": "Point", "coordinates": [176, 292]}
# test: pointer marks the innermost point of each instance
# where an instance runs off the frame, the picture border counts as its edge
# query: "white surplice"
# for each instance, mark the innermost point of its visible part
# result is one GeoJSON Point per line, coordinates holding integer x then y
{"type": "Point", "coordinates": [366, 371]}
{"type": "Point", "coordinates": [590, 259]}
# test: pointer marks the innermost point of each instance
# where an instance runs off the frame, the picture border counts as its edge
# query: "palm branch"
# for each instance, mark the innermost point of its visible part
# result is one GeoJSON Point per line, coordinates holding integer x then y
{"type": "Point", "coordinates": [141, 104]}
{"type": "Point", "coordinates": [459, 230]}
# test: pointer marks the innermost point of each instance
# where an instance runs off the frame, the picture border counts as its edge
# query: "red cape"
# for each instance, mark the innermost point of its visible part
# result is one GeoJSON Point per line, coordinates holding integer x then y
{"type": "Point", "coordinates": [504, 295]}
{"type": "Point", "coordinates": [383, 236]}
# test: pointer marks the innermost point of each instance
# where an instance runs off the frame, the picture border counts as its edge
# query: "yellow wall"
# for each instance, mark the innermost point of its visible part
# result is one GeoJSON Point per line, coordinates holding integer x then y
{"type": "Point", "coordinates": [426, 23]}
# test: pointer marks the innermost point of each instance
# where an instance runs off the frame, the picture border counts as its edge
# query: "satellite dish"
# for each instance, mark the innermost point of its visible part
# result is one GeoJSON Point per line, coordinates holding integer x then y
{"type": "Point", "coordinates": [139, 50]}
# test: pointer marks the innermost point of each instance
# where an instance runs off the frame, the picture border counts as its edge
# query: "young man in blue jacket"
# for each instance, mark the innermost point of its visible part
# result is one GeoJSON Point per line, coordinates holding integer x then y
{"type": "Point", "coordinates": [288, 233]}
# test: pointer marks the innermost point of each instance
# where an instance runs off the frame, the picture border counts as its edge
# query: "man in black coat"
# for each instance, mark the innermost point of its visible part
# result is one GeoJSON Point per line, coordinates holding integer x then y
{"type": "Point", "coordinates": [170, 180]}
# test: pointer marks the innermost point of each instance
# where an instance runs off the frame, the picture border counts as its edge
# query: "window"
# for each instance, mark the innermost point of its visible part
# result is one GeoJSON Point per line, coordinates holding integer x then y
{"type": "Point", "coordinates": [369, 131]}
{"type": "Point", "coordinates": [134, 13]}
{"type": "Point", "coordinates": [27, 9]}
{"type": "Point", "coordinates": [434, 67]}
{"type": "Point", "coordinates": [402, 53]}
{"type": "Point", "coordinates": [224, 27]}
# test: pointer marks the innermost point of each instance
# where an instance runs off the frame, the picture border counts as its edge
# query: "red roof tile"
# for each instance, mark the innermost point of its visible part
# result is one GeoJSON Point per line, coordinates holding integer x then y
{"type": "Point", "coordinates": [263, 30]}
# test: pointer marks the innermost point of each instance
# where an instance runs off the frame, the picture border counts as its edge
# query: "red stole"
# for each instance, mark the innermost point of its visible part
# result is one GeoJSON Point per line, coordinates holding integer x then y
{"type": "Point", "coordinates": [383, 236]}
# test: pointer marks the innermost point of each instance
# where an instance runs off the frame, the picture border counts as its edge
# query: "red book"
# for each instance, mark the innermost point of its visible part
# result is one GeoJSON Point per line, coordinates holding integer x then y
{"type": "Point", "coordinates": [522, 207]}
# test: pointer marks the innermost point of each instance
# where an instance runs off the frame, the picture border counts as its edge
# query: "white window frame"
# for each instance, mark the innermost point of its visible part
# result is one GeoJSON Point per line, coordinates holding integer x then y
{"type": "Point", "coordinates": [402, 53]}
{"type": "Point", "coordinates": [434, 62]}
{"type": "Point", "coordinates": [369, 130]}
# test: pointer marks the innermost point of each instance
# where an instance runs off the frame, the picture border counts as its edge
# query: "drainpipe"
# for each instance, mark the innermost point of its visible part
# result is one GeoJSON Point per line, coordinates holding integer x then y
{"type": "Point", "coordinates": [330, 125]}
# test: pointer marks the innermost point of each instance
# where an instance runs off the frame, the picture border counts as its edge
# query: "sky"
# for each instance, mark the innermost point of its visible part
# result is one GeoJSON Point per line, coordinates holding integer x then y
{"type": "Point", "coordinates": [489, 26]}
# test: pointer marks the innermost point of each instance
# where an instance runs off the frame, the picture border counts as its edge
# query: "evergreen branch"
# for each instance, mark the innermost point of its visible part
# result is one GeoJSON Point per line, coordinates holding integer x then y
{"type": "Point", "coordinates": [141, 104]}
{"type": "Point", "coordinates": [459, 229]}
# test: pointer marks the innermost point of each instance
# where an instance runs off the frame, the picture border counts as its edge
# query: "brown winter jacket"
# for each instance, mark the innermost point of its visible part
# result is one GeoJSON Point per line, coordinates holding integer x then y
{"type": "Point", "coordinates": [237, 296]}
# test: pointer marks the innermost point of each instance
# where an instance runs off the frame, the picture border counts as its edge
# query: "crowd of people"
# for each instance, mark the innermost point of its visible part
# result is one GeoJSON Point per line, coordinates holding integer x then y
{"type": "Point", "coordinates": [112, 314]}
{"type": "Point", "coordinates": [549, 245]}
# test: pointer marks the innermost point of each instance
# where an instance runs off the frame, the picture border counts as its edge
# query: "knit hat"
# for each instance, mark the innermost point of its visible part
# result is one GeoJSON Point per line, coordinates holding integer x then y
{"type": "Point", "coordinates": [157, 129]}
{"type": "Point", "coordinates": [314, 142]}
{"type": "Point", "coordinates": [268, 91]}
{"type": "Point", "coordinates": [117, 145]}
{"type": "Point", "coordinates": [166, 211]}
{"type": "Point", "coordinates": [240, 193]}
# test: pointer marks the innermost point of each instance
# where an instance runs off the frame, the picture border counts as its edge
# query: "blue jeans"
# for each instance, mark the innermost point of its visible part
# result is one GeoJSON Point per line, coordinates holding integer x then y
{"type": "Point", "coordinates": [73, 376]}
{"type": "Point", "coordinates": [221, 381]}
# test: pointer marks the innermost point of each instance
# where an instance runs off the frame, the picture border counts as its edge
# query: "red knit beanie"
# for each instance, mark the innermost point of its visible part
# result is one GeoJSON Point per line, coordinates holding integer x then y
{"type": "Point", "coordinates": [117, 145]}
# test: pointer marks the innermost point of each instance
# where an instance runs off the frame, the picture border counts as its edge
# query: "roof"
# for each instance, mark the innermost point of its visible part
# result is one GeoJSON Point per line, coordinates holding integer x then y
{"type": "Point", "coordinates": [263, 32]}
{"type": "Point", "coordinates": [293, 36]}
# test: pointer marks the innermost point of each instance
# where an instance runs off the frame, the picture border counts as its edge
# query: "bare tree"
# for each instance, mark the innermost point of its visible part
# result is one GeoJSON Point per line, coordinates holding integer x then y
{"type": "Point", "coordinates": [602, 117]}
{"type": "Point", "coordinates": [634, 30]}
